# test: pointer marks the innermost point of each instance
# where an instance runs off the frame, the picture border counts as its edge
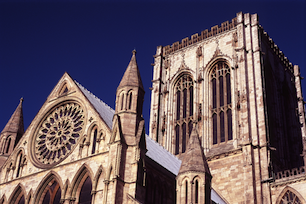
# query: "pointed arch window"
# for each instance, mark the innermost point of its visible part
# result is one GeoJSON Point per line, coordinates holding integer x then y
{"type": "Point", "coordinates": [130, 96]}
{"type": "Point", "coordinates": [122, 101]}
{"type": "Point", "coordinates": [290, 197]}
{"type": "Point", "coordinates": [221, 113]}
{"type": "Point", "coordinates": [184, 112]}
{"type": "Point", "coordinates": [52, 193]}
{"type": "Point", "coordinates": [186, 192]}
{"type": "Point", "coordinates": [19, 168]}
{"type": "Point", "coordinates": [8, 145]}
{"type": "Point", "coordinates": [196, 192]}
{"type": "Point", "coordinates": [94, 134]}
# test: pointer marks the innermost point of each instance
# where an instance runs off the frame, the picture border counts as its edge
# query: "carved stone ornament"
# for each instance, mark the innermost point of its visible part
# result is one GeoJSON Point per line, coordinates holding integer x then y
{"type": "Point", "coordinates": [57, 135]}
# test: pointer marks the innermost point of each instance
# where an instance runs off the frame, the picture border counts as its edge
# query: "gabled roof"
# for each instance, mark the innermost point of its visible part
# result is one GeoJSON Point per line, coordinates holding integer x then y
{"type": "Point", "coordinates": [131, 75]}
{"type": "Point", "coordinates": [155, 151]}
{"type": "Point", "coordinates": [161, 156]}
{"type": "Point", "coordinates": [102, 108]}
{"type": "Point", "coordinates": [15, 123]}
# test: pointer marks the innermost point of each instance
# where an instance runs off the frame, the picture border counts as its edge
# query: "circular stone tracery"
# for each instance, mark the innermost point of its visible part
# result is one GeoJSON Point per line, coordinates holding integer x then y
{"type": "Point", "coordinates": [58, 134]}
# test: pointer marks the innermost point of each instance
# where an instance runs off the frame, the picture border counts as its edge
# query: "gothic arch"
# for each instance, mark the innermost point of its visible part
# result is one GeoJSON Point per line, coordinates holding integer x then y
{"type": "Point", "coordinates": [92, 133]}
{"type": "Point", "coordinates": [17, 194]}
{"type": "Point", "coordinates": [96, 178]}
{"type": "Point", "coordinates": [8, 142]}
{"type": "Point", "coordinates": [3, 199]}
{"type": "Point", "coordinates": [219, 110]}
{"type": "Point", "coordinates": [181, 180]}
{"type": "Point", "coordinates": [209, 66]}
{"type": "Point", "coordinates": [197, 177]}
{"type": "Point", "coordinates": [29, 197]}
{"type": "Point", "coordinates": [78, 180]}
{"type": "Point", "coordinates": [129, 99]}
{"type": "Point", "coordinates": [20, 161]}
{"type": "Point", "coordinates": [182, 93]}
{"type": "Point", "coordinates": [42, 187]}
{"type": "Point", "coordinates": [294, 196]}
{"type": "Point", "coordinates": [122, 102]}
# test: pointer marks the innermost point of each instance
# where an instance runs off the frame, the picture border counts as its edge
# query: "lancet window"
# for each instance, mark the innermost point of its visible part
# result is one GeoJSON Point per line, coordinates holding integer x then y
{"type": "Point", "coordinates": [184, 112]}
{"type": "Point", "coordinates": [221, 108]}
{"type": "Point", "coordinates": [94, 134]}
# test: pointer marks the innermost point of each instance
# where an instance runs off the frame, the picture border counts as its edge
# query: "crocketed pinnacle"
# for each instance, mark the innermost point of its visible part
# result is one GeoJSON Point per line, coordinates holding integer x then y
{"type": "Point", "coordinates": [15, 124]}
{"type": "Point", "coordinates": [194, 158]}
{"type": "Point", "coordinates": [131, 76]}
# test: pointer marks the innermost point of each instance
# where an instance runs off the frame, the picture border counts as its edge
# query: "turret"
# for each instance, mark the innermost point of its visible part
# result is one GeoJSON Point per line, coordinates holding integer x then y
{"type": "Point", "coordinates": [194, 178]}
{"type": "Point", "coordinates": [11, 133]}
{"type": "Point", "coordinates": [129, 100]}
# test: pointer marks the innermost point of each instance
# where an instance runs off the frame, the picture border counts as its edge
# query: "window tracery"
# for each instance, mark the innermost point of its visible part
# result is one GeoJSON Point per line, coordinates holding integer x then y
{"type": "Point", "coordinates": [290, 198]}
{"type": "Point", "coordinates": [184, 112]}
{"type": "Point", "coordinates": [58, 134]}
{"type": "Point", "coordinates": [221, 103]}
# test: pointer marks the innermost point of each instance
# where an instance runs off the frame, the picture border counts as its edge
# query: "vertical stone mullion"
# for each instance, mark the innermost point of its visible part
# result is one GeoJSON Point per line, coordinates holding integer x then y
{"type": "Point", "coordinates": [225, 108]}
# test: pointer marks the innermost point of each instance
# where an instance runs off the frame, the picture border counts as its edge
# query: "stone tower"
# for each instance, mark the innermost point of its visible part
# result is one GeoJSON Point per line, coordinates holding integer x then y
{"type": "Point", "coordinates": [11, 134]}
{"type": "Point", "coordinates": [127, 143]}
{"type": "Point", "coordinates": [245, 96]}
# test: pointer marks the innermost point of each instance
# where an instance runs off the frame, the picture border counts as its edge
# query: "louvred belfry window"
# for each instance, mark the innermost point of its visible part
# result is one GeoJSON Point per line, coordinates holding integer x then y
{"type": "Point", "coordinates": [221, 108]}
{"type": "Point", "coordinates": [184, 112]}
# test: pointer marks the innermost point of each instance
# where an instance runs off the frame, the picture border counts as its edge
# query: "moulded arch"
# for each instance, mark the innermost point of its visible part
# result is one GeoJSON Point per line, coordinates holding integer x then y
{"type": "Point", "coordinates": [121, 102]}
{"type": "Point", "coordinates": [284, 191]}
{"type": "Point", "coordinates": [7, 143]}
{"type": "Point", "coordinates": [3, 199]}
{"type": "Point", "coordinates": [43, 184]}
{"type": "Point", "coordinates": [183, 179]}
{"type": "Point", "coordinates": [178, 75]}
{"type": "Point", "coordinates": [129, 99]}
{"type": "Point", "coordinates": [96, 178]}
{"type": "Point", "coordinates": [29, 196]}
{"type": "Point", "coordinates": [210, 65]}
{"type": "Point", "coordinates": [197, 177]}
{"type": "Point", "coordinates": [78, 180]}
{"type": "Point", "coordinates": [17, 193]}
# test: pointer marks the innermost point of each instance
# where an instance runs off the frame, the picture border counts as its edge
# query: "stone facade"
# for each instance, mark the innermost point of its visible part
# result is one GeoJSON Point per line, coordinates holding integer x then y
{"type": "Point", "coordinates": [227, 125]}
{"type": "Point", "coordinates": [247, 102]}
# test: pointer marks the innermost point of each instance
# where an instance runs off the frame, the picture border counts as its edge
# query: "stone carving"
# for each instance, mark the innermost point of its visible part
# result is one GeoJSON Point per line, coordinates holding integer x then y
{"type": "Point", "coordinates": [58, 134]}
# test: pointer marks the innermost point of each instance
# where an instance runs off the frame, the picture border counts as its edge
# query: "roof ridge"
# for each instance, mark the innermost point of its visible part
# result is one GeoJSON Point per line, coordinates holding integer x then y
{"type": "Point", "coordinates": [94, 96]}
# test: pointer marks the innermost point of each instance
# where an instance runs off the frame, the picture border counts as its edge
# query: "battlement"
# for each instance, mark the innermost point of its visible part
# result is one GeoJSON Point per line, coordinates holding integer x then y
{"type": "Point", "coordinates": [290, 173]}
{"type": "Point", "coordinates": [277, 51]}
{"type": "Point", "coordinates": [215, 30]}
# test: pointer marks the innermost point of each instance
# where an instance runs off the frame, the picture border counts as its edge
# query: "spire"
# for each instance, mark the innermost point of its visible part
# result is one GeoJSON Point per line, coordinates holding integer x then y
{"type": "Point", "coordinates": [15, 124]}
{"type": "Point", "coordinates": [131, 76]}
{"type": "Point", "coordinates": [194, 158]}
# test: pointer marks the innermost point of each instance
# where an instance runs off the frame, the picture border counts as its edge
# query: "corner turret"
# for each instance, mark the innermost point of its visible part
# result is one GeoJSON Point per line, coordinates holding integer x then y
{"type": "Point", "coordinates": [194, 177]}
{"type": "Point", "coordinates": [11, 134]}
{"type": "Point", "coordinates": [129, 101]}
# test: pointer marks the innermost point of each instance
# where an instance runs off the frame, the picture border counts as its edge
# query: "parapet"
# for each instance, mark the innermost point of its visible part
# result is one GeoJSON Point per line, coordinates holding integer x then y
{"type": "Point", "coordinates": [277, 51]}
{"type": "Point", "coordinates": [290, 173]}
{"type": "Point", "coordinates": [215, 30]}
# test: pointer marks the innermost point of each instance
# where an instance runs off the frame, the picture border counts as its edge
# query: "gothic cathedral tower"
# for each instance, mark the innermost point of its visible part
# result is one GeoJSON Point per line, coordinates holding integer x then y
{"type": "Point", "coordinates": [245, 97]}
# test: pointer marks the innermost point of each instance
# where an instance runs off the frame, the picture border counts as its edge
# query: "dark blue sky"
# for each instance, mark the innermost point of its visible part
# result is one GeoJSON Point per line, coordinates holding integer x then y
{"type": "Point", "coordinates": [93, 42]}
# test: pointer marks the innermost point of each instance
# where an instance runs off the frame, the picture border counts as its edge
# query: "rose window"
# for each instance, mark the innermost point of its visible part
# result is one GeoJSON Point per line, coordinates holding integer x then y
{"type": "Point", "coordinates": [58, 134]}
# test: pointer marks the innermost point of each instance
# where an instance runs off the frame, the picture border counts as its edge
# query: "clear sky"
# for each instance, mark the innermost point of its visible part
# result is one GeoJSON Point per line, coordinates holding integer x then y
{"type": "Point", "coordinates": [93, 42]}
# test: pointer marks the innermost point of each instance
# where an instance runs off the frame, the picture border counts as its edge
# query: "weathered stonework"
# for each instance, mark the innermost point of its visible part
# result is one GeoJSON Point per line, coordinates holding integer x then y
{"type": "Point", "coordinates": [227, 125]}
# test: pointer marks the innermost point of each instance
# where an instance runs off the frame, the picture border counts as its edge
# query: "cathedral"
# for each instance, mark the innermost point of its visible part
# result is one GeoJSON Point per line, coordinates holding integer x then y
{"type": "Point", "coordinates": [227, 126]}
